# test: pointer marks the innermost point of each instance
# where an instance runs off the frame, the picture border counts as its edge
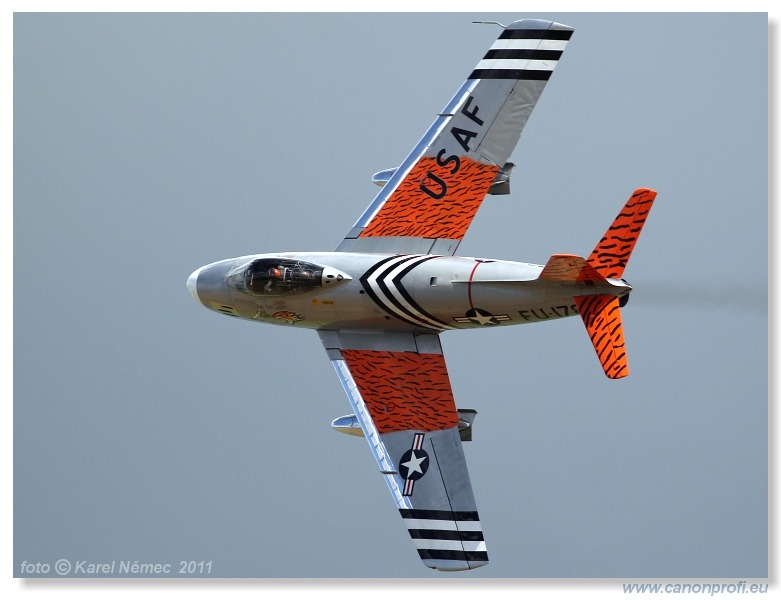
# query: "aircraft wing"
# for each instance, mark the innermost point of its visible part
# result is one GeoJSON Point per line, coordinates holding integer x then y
{"type": "Point", "coordinates": [429, 201]}
{"type": "Point", "coordinates": [398, 386]}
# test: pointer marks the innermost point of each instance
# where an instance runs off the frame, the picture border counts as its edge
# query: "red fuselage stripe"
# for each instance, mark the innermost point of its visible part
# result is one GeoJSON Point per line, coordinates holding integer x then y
{"type": "Point", "coordinates": [469, 285]}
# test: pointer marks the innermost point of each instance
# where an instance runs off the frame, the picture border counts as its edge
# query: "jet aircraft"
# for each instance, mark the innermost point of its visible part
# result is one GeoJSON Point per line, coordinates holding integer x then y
{"type": "Point", "coordinates": [381, 299]}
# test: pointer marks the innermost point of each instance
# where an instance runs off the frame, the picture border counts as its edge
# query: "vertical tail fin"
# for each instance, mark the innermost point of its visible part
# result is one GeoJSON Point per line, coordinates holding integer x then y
{"type": "Point", "coordinates": [601, 314]}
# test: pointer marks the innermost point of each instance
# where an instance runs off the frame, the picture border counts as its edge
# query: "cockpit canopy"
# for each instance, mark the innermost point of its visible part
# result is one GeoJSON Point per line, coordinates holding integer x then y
{"type": "Point", "coordinates": [277, 277]}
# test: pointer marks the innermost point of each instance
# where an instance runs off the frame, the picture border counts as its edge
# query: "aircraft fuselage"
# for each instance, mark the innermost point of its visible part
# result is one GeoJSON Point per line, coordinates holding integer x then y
{"type": "Point", "coordinates": [390, 292]}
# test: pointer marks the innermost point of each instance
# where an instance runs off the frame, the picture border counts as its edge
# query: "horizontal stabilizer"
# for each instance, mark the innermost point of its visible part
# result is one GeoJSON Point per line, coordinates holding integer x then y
{"type": "Point", "coordinates": [612, 252]}
{"type": "Point", "coordinates": [602, 317]}
{"type": "Point", "coordinates": [601, 313]}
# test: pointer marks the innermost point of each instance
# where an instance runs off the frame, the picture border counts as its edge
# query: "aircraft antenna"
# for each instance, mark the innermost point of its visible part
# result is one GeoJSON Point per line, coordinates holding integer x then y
{"type": "Point", "coordinates": [490, 23]}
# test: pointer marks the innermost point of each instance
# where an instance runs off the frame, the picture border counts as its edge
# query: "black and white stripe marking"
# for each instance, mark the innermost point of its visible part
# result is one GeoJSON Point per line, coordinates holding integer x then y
{"type": "Point", "coordinates": [383, 284]}
{"type": "Point", "coordinates": [446, 535]}
{"type": "Point", "coordinates": [523, 54]}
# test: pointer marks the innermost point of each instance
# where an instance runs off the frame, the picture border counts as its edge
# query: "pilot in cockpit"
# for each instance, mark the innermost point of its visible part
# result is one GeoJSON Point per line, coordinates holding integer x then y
{"type": "Point", "coordinates": [273, 275]}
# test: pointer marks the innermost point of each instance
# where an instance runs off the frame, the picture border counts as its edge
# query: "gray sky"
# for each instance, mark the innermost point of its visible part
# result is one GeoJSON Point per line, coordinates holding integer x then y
{"type": "Point", "coordinates": [146, 427]}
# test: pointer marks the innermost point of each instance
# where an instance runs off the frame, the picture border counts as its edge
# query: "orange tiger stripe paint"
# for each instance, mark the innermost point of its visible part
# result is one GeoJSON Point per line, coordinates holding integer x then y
{"type": "Point", "coordinates": [565, 268]}
{"type": "Point", "coordinates": [614, 249]}
{"type": "Point", "coordinates": [602, 318]}
{"type": "Point", "coordinates": [404, 390]}
{"type": "Point", "coordinates": [409, 211]}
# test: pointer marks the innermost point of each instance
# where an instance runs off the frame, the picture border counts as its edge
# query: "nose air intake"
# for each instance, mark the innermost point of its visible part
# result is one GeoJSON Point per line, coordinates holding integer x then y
{"type": "Point", "coordinates": [207, 284]}
{"type": "Point", "coordinates": [192, 284]}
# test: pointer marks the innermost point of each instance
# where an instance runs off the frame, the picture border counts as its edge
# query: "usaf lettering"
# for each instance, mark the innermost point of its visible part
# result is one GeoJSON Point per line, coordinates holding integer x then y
{"type": "Point", "coordinates": [463, 137]}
